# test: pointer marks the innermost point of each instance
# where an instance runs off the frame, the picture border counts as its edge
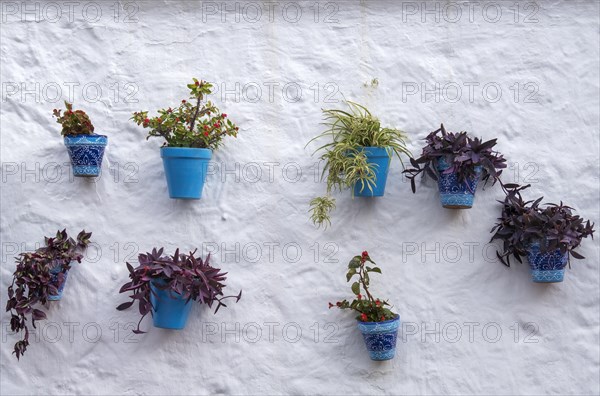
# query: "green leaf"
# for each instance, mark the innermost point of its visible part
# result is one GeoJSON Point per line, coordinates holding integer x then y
{"type": "Point", "coordinates": [355, 288]}
{"type": "Point", "coordinates": [350, 274]}
{"type": "Point", "coordinates": [355, 262]}
{"type": "Point", "coordinates": [375, 269]}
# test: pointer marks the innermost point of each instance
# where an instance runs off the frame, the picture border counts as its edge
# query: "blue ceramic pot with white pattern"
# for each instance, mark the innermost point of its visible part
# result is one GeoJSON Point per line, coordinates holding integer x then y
{"type": "Point", "coordinates": [380, 337]}
{"type": "Point", "coordinates": [456, 194]}
{"type": "Point", "coordinates": [86, 152]}
{"type": "Point", "coordinates": [546, 267]}
{"type": "Point", "coordinates": [54, 278]}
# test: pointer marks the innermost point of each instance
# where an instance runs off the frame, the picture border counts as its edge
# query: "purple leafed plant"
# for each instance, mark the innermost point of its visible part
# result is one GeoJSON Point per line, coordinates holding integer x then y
{"type": "Point", "coordinates": [32, 281]}
{"type": "Point", "coordinates": [525, 222]}
{"type": "Point", "coordinates": [183, 274]}
{"type": "Point", "coordinates": [461, 152]}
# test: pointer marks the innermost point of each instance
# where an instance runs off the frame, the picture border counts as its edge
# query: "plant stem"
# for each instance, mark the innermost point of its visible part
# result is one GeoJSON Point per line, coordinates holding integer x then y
{"type": "Point", "coordinates": [196, 113]}
{"type": "Point", "coordinates": [362, 280]}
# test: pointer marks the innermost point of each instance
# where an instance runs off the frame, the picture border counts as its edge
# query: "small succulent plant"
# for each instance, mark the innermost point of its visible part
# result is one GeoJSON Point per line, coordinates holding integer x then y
{"type": "Point", "coordinates": [73, 122]}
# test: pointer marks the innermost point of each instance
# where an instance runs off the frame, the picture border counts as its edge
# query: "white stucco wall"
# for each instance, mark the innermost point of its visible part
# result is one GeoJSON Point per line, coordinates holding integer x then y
{"type": "Point", "coordinates": [526, 73]}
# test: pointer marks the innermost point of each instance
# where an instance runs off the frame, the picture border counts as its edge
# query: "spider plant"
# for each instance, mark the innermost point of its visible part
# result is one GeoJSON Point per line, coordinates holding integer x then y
{"type": "Point", "coordinates": [346, 163]}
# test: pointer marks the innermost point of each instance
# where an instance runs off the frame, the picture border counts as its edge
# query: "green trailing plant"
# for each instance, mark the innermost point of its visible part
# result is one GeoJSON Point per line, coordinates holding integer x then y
{"type": "Point", "coordinates": [73, 122]}
{"type": "Point", "coordinates": [369, 308]}
{"type": "Point", "coordinates": [33, 283]}
{"type": "Point", "coordinates": [191, 124]}
{"type": "Point", "coordinates": [522, 223]}
{"type": "Point", "coordinates": [345, 161]}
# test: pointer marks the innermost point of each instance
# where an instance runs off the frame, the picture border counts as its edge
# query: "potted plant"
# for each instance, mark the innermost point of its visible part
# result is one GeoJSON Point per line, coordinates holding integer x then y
{"type": "Point", "coordinates": [191, 132]}
{"type": "Point", "coordinates": [378, 325]}
{"type": "Point", "coordinates": [85, 148]}
{"type": "Point", "coordinates": [163, 286]}
{"type": "Point", "coordinates": [357, 157]}
{"type": "Point", "coordinates": [457, 162]}
{"type": "Point", "coordinates": [40, 277]}
{"type": "Point", "coordinates": [546, 234]}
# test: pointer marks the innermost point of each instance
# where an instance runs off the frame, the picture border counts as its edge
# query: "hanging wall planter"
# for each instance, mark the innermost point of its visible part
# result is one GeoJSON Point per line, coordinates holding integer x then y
{"type": "Point", "coordinates": [378, 158]}
{"type": "Point", "coordinates": [167, 286]}
{"type": "Point", "coordinates": [39, 278]}
{"type": "Point", "coordinates": [192, 131]}
{"type": "Point", "coordinates": [547, 235]}
{"type": "Point", "coordinates": [377, 324]}
{"type": "Point", "coordinates": [358, 157]}
{"type": "Point", "coordinates": [458, 163]}
{"type": "Point", "coordinates": [85, 148]}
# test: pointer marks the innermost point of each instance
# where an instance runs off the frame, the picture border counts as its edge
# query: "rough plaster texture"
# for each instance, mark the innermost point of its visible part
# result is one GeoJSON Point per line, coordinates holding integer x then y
{"type": "Point", "coordinates": [438, 271]}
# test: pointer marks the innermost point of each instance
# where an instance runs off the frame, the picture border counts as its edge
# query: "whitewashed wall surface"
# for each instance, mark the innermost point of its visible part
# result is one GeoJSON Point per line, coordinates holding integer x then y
{"type": "Point", "coordinates": [524, 72]}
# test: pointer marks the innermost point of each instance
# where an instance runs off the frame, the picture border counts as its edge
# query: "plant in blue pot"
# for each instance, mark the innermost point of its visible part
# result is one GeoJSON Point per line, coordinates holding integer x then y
{"type": "Point", "coordinates": [39, 278]}
{"type": "Point", "coordinates": [192, 131]}
{"type": "Point", "coordinates": [357, 157]}
{"type": "Point", "coordinates": [165, 286]}
{"type": "Point", "coordinates": [377, 323]}
{"type": "Point", "coordinates": [85, 148]}
{"type": "Point", "coordinates": [546, 234]}
{"type": "Point", "coordinates": [458, 162]}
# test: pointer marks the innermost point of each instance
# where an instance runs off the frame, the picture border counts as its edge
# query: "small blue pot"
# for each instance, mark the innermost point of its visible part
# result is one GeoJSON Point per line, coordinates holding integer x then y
{"type": "Point", "coordinates": [381, 158]}
{"type": "Point", "coordinates": [86, 152]}
{"type": "Point", "coordinates": [54, 279]}
{"type": "Point", "coordinates": [186, 170]}
{"type": "Point", "coordinates": [380, 337]}
{"type": "Point", "coordinates": [548, 267]}
{"type": "Point", "coordinates": [453, 193]}
{"type": "Point", "coordinates": [170, 309]}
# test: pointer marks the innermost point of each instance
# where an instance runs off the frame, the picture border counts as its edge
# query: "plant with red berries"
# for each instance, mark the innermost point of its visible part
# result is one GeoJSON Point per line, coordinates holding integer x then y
{"type": "Point", "coordinates": [73, 122]}
{"type": "Point", "coordinates": [370, 309]}
{"type": "Point", "coordinates": [197, 125]}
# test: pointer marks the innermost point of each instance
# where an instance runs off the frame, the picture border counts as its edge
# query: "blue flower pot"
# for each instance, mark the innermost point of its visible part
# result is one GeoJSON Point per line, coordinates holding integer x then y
{"type": "Point", "coordinates": [186, 170]}
{"type": "Point", "coordinates": [455, 194]}
{"type": "Point", "coordinates": [380, 337]}
{"type": "Point", "coordinates": [548, 267]}
{"type": "Point", "coordinates": [170, 309]}
{"type": "Point", "coordinates": [381, 158]}
{"type": "Point", "coordinates": [86, 152]}
{"type": "Point", "coordinates": [54, 279]}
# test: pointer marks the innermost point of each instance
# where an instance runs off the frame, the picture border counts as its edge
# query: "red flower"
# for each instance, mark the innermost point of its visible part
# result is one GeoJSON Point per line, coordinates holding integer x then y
{"type": "Point", "coordinates": [183, 101]}
{"type": "Point", "coordinates": [363, 317]}
{"type": "Point", "coordinates": [365, 254]}
{"type": "Point", "coordinates": [359, 296]}
{"type": "Point", "coordinates": [197, 83]}
{"type": "Point", "coordinates": [339, 304]}
{"type": "Point", "coordinates": [224, 115]}
{"type": "Point", "coordinates": [378, 303]}
{"type": "Point", "coordinates": [205, 133]}
{"type": "Point", "coordinates": [170, 110]}
{"type": "Point", "coordinates": [382, 318]}
{"type": "Point", "coordinates": [206, 127]}
{"type": "Point", "coordinates": [159, 120]}
{"type": "Point", "coordinates": [236, 128]}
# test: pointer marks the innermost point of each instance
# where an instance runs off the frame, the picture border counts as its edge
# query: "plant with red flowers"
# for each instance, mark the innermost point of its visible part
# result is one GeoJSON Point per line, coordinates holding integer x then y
{"type": "Point", "coordinates": [182, 274]}
{"type": "Point", "coordinates": [33, 283]}
{"type": "Point", "coordinates": [369, 308]}
{"type": "Point", "coordinates": [191, 124]}
{"type": "Point", "coordinates": [73, 122]}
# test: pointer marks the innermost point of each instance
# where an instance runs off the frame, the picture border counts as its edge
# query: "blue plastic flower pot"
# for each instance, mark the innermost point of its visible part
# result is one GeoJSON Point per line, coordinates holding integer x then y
{"type": "Point", "coordinates": [380, 337]}
{"type": "Point", "coordinates": [381, 158]}
{"type": "Point", "coordinates": [548, 267]}
{"type": "Point", "coordinates": [170, 309]}
{"type": "Point", "coordinates": [455, 194]}
{"type": "Point", "coordinates": [86, 153]}
{"type": "Point", "coordinates": [54, 279]}
{"type": "Point", "coordinates": [186, 170]}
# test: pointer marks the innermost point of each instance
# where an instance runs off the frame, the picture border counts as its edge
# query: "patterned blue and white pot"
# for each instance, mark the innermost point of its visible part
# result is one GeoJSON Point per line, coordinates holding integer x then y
{"type": "Point", "coordinates": [548, 267]}
{"type": "Point", "coordinates": [86, 152]}
{"type": "Point", "coordinates": [380, 337]}
{"type": "Point", "coordinates": [456, 194]}
{"type": "Point", "coordinates": [54, 279]}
